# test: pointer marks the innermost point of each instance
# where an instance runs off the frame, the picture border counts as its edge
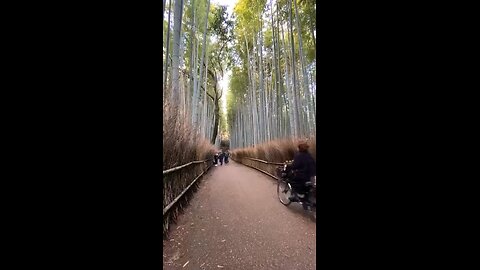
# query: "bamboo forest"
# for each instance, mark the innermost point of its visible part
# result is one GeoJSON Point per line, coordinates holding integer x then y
{"type": "Point", "coordinates": [239, 79]}
{"type": "Point", "coordinates": [267, 48]}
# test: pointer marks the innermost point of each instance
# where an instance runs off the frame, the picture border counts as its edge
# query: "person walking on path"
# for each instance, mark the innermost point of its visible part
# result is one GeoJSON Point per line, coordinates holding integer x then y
{"type": "Point", "coordinates": [220, 157]}
{"type": "Point", "coordinates": [215, 159]}
{"type": "Point", "coordinates": [225, 156]}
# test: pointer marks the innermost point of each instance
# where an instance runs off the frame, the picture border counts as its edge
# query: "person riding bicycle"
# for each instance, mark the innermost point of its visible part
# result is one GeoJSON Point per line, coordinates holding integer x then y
{"type": "Point", "coordinates": [303, 167]}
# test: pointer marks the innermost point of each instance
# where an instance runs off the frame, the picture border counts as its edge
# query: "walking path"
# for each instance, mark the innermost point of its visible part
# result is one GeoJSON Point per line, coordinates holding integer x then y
{"type": "Point", "coordinates": [235, 221]}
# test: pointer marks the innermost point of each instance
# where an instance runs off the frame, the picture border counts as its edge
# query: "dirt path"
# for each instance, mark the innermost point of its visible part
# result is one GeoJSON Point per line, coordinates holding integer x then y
{"type": "Point", "coordinates": [235, 221]}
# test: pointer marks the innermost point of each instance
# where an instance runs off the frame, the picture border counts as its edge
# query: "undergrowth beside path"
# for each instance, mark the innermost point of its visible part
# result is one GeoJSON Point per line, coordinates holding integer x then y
{"type": "Point", "coordinates": [276, 151]}
{"type": "Point", "coordinates": [181, 145]}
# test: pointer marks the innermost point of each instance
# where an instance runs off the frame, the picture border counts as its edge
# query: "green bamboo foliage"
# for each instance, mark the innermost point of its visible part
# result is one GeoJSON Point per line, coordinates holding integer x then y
{"type": "Point", "coordinates": [186, 47]}
{"type": "Point", "coordinates": [270, 50]}
{"type": "Point", "coordinates": [272, 90]}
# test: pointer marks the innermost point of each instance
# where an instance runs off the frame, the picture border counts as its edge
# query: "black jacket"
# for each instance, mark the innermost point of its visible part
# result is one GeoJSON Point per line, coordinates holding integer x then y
{"type": "Point", "coordinates": [303, 166]}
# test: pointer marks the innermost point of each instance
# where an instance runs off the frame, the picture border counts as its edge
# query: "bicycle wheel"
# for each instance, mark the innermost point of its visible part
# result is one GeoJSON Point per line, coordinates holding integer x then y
{"type": "Point", "coordinates": [283, 192]}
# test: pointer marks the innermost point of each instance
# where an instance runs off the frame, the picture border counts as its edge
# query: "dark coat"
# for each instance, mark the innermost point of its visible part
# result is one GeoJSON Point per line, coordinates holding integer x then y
{"type": "Point", "coordinates": [303, 166]}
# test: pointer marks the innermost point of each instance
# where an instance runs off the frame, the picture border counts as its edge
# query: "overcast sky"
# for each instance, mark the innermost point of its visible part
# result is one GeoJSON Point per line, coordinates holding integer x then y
{"type": "Point", "coordinates": [229, 3]}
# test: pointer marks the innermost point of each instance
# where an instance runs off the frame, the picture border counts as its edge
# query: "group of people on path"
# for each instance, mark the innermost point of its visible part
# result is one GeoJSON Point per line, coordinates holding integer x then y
{"type": "Point", "coordinates": [221, 157]}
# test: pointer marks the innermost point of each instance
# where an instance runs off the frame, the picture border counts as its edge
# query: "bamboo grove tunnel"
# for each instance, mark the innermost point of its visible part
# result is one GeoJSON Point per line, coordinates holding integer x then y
{"type": "Point", "coordinates": [239, 78]}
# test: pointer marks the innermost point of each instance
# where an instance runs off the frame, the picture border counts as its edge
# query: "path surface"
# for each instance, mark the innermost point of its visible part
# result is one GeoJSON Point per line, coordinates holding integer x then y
{"type": "Point", "coordinates": [235, 221]}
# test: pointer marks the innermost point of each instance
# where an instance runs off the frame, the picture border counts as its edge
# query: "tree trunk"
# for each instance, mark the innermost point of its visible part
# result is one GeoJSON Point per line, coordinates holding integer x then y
{"type": "Point", "coordinates": [217, 117]}
{"type": "Point", "coordinates": [205, 101]}
{"type": "Point", "coordinates": [193, 60]}
{"type": "Point", "coordinates": [296, 114]}
{"type": "Point", "coordinates": [288, 99]}
{"type": "Point", "coordinates": [275, 82]}
{"type": "Point", "coordinates": [167, 51]}
{"type": "Point", "coordinates": [306, 89]}
{"type": "Point", "coordinates": [204, 51]}
{"type": "Point", "coordinates": [252, 90]}
{"type": "Point", "coordinates": [177, 29]}
{"type": "Point", "coordinates": [261, 82]}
